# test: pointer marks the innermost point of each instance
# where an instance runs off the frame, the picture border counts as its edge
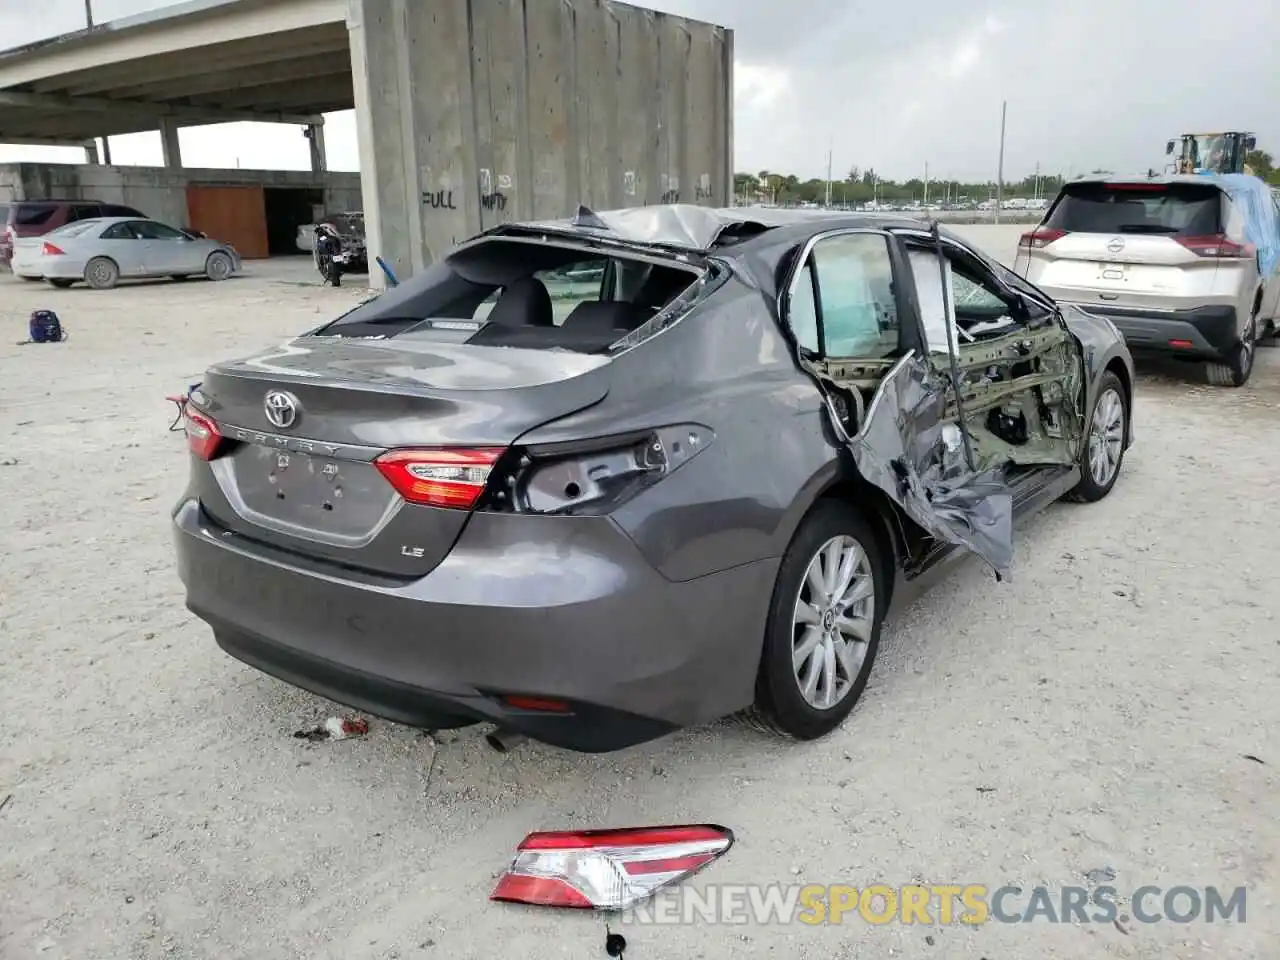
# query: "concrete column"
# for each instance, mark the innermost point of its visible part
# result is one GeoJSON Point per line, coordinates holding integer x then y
{"type": "Point", "coordinates": [169, 144]}
{"type": "Point", "coordinates": [106, 150]}
{"type": "Point", "coordinates": [319, 157]}
{"type": "Point", "coordinates": [91, 152]}
{"type": "Point", "coordinates": [417, 165]}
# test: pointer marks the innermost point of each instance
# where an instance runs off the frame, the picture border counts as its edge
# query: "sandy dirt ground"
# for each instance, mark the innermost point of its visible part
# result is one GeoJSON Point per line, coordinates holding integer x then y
{"type": "Point", "coordinates": [1113, 708]}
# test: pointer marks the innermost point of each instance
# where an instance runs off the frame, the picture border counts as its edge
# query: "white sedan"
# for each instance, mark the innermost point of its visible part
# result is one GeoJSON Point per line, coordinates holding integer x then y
{"type": "Point", "coordinates": [104, 251]}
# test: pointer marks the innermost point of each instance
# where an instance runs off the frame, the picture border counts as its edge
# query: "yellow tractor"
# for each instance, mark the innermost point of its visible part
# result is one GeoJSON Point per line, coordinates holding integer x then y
{"type": "Point", "coordinates": [1211, 152]}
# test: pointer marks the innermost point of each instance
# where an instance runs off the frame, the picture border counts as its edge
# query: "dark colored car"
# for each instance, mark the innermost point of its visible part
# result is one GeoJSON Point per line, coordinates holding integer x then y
{"type": "Point", "coordinates": [696, 490]}
{"type": "Point", "coordinates": [35, 218]}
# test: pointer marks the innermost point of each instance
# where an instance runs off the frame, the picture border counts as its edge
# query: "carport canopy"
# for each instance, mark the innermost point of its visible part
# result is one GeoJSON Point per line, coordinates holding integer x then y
{"type": "Point", "coordinates": [200, 62]}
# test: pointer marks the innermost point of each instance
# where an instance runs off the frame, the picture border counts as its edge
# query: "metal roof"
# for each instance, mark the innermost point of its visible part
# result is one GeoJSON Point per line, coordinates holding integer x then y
{"type": "Point", "coordinates": [689, 227]}
{"type": "Point", "coordinates": [203, 61]}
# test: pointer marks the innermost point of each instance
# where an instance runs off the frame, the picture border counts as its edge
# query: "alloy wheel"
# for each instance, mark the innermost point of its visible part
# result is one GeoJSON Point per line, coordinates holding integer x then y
{"type": "Point", "coordinates": [832, 622]}
{"type": "Point", "coordinates": [1106, 437]}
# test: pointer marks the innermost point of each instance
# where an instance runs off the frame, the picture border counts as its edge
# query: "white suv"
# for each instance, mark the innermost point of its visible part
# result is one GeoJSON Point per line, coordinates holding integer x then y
{"type": "Point", "coordinates": [1169, 260]}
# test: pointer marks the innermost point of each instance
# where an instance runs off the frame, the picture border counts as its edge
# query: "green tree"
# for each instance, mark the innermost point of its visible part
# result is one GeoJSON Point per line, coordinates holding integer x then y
{"type": "Point", "coordinates": [1261, 163]}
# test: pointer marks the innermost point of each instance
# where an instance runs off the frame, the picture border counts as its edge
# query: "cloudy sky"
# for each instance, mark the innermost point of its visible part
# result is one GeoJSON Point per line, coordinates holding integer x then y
{"type": "Point", "coordinates": [1089, 83]}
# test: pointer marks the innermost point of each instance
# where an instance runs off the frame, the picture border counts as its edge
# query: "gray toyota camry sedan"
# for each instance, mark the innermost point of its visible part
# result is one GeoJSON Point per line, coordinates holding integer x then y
{"type": "Point", "coordinates": [598, 478]}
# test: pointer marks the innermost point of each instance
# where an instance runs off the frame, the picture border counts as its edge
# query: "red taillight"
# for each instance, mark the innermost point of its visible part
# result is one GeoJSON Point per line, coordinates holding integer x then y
{"type": "Point", "coordinates": [444, 477]}
{"type": "Point", "coordinates": [1040, 237]}
{"type": "Point", "coordinates": [1218, 245]}
{"type": "Point", "coordinates": [607, 869]}
{"type": "Point", "coordinates": [49, 250]}
{"type": "Point", "coordinates": [1181, 344]}
{"type": "Point", "coordinates": [202, 435]}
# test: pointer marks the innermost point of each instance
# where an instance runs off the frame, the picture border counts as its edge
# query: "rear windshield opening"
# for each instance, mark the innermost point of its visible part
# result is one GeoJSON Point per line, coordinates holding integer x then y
{"type": "Point", "coordinates": [33, 214]}
{"type": "Point", "coordinates": [1175, 209]}
{"type": "Point", "coordinates": [506, 292]}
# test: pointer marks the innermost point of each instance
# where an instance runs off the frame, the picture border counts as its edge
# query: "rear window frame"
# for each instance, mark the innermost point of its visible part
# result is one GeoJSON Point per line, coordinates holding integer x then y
{"type": "Point", "coordinates": [1136, 188]}
{"type": "Point", "coordinates": [50, 210]}
{"type": "Point", "coordinates": [705, 275]}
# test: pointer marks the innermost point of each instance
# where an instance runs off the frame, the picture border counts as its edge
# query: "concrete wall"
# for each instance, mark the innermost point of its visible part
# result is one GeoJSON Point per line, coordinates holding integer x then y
{"type": "Point", "coordinates": [473, 112]}
{"type": "Point", "coordinates": [156, 191]}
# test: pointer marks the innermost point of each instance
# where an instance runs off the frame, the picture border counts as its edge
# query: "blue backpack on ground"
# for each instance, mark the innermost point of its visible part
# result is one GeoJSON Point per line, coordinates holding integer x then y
{"type": "Point", "coordinates": [45, 327]}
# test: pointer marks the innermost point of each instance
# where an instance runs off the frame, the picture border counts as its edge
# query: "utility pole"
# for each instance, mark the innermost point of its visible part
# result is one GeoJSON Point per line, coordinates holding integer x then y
{"type": "Point", "coordinates": [926, 183]}
{"type": "Point", "coordinates": [88, 13]}
{"type": "Point", "coordinates": [1004, 106]}
{"type": "Point", "coordinates": [830, 154]}
{"type": "Point", "coordinates": [1037, 194]}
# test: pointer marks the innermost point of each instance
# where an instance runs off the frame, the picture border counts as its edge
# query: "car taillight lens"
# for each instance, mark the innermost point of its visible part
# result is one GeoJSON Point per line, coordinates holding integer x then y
{"type": "Point", "coordinates": [49, 250]}
{"type": "Point", "coordinates": [1218, 245]}
{"type": "Point", "coordinates": [1040, 237]}
{"type": "Point", "coordinates": [607, 869]}
{"type": "Point", "coordinates": [439, 477]}
{"type": "Point", "coordinates": [203, 436]}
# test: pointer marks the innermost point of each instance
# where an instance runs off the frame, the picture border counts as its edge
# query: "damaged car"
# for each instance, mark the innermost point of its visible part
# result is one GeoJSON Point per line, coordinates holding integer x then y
{"type": "Point", "coordinates": [689, 488]}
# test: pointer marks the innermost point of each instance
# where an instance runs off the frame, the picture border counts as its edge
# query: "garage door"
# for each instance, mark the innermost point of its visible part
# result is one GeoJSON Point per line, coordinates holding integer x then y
{"type": "Point", "coordinates": [235, 215]}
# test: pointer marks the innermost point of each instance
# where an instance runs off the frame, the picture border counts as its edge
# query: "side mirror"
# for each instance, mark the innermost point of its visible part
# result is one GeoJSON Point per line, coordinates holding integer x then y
{"type": "Point", "coordinates": [1250, 143]}
{"type": "Point", "coordinates": [1168, 148]}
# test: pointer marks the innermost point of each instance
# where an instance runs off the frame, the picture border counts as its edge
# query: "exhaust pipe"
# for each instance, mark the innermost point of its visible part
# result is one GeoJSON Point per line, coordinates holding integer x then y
{"type": "Point", "coordinates": [503, 740]}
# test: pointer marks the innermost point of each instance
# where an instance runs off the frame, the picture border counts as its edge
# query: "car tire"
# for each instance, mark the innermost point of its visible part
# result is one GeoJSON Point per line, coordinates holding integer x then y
{"type": "Point", "coordinates": [218, 266]}
{"type": "Point", "coordinates": [59, 282]}
{"type": "Point", "coordinates": [101, 273]}
{"type": "Point", "coordinates": [33, 279]}
{"type": "Point", "coordinates": [781, 704]}
{"type": "Point", "coordinates": [1108, 405]}
{"type": "Point", "coordinates": [1239, 366]}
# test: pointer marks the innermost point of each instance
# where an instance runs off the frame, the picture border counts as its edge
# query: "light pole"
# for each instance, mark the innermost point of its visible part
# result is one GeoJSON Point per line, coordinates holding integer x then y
{"type": "Point", "coordinates": [88, 13]}
{"type": "Point", "coordinates": [1004, 106]}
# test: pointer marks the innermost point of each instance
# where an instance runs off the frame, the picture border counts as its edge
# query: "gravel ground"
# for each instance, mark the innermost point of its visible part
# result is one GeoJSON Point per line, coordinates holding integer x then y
{"type": "Point", "coordinates": [1098, 712]}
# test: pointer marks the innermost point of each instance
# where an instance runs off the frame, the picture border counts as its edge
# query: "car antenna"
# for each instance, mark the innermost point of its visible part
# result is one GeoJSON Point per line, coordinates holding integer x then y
{"type": "Point", "coordinates": [936, 233]}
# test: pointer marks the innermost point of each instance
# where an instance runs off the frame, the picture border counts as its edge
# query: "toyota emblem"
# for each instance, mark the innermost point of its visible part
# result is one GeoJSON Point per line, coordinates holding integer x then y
{"type": "Point", "coordinates": [1115, 244]}
{"type": "Point", "coordinates": [281, 409]}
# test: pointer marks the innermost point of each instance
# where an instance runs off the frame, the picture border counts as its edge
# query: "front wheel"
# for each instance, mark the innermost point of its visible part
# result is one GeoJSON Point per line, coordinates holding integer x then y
{"type": "Point", "coordinates": [824, 625]}
{"type": "Point", "coordinates": [1103, 448]}
{"type": "Point", "coordinates": [218, 266]}
{"type": "Point", "coordinates": [1239, 365]}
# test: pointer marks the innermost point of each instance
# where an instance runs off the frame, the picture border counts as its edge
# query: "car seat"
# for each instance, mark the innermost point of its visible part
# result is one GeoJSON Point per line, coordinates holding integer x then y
{"type": "Point", "coordinates": [524, 303]}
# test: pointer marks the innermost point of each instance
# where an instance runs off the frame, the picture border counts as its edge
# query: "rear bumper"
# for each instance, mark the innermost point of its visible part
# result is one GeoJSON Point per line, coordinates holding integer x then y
{"type": "Point", "coordinates": [61, 268]}
{"type": "Point", "coordinates": [522, 605]}
{"type": "Point", "coordinates": [1211, 331]}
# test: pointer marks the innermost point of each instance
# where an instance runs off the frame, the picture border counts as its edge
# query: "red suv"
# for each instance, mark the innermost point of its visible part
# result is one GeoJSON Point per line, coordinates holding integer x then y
{"type": "Point", "coordinates": [33, 218]}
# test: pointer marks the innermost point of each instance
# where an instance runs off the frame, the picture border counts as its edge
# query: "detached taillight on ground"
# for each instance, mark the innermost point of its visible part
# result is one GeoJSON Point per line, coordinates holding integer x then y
{"type": "Point", "coordinates": [1218, 245]}
{"type": "Point", "coordinates": [203, 436]}
{"type": "Point", "coordinates": [444, 477]}
{"type": "Point", "coordinates": [607, 869]}
{"type": "Point", "coordinates": [49, 250]}
{"type": "Point", "coordinates": [1040, 237]}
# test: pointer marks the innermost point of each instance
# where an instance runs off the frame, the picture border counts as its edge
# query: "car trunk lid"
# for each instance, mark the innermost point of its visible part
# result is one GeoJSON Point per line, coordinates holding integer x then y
{"type": "Point", "coordinates": [305, 423]}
